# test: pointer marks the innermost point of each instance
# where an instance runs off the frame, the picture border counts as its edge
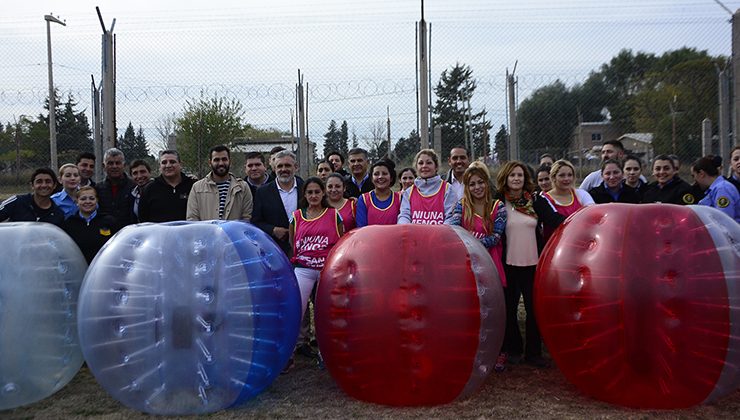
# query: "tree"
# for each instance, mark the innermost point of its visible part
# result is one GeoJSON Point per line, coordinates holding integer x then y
{"type": "Point", "coordinates": [452, 111]}
{"type": "Point", "coordinates": [546, 120]}
{"type": "Point", "coordinates": [406, 147]}
{"type": "Point", "coordinates": [501, 144]}
{"type": "Point", "coordinates": [204, 123]}
{"type": "Point", "coordinates": [355, 140]}
{"type": "Point", "coordinates": [344, 139]}
{"type": "Point", "coordinates": [332, 138]}
{"type": "Point", "coordinates": [133, 144]}
{"type": "Point", "coordinates": [165, 127]}
{"type": "Point", "coordinates": [377, 142]}
{"type": "Point", "coordinates": [73, 130]}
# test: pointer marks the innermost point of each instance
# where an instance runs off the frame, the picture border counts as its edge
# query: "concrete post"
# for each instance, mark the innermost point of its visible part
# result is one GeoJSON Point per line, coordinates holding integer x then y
{"type": "Point", "coordinates": [706, 137]}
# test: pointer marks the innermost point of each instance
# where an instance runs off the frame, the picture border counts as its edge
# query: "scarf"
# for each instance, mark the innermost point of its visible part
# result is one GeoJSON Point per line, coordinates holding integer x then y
{"type": "Point", "coordinates": [522, 204]}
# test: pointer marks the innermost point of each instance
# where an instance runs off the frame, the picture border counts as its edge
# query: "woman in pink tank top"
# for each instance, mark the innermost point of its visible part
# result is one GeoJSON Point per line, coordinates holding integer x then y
{"type": "Point", "coordinates": [564, 198]}
{"type": "Point", "coordinates": [430, 200]}
{"type": "Point", "coordinates": [381, 205]}
{"type": "Point", "coordinates": [315, 229]}
{"type": "Point", "coordinates": [335, 188]}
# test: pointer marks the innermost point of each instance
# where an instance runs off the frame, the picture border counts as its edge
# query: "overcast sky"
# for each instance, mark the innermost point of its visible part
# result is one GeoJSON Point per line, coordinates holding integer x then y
{"type": "Point", "coordinates": [357, 56]}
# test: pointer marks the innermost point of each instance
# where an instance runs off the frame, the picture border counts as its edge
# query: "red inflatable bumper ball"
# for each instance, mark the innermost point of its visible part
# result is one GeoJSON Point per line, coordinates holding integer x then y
{"type": "Point", "coordinates": [638, 304]}
{"type": "Point", "coordinates": [409, 315]}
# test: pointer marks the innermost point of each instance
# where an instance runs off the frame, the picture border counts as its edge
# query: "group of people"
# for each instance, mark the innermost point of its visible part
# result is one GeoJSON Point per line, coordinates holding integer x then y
{"type": "Point", "coordinates": [512, 213]}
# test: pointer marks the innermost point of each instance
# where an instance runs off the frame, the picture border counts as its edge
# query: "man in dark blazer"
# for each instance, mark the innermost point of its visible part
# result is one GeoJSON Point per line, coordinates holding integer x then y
{"type": "Point", "coordinates": [275, 202]}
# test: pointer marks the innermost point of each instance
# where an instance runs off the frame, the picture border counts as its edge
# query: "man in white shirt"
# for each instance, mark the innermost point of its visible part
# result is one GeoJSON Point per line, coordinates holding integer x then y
{"type": "Point", "coordinates": [458, 162]}
{"type": "Point", "coordinates": [276, 201]}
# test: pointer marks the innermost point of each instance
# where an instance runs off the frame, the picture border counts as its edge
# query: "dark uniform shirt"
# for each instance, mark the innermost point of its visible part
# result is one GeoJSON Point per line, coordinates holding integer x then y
{"type": "Point", "coordinates": [89, 235]}
{"type": "Point", "coordinates": [22, 208]}
{"type": "Point", "coordinates": [677, 191]}
{"type": "Point", "coordinates": [602, 195]}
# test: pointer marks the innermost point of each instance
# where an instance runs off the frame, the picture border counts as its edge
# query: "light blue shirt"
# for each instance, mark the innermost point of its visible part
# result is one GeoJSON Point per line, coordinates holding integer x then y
{"type": "Point", "coordinates": [723, 196]}
{"type": "Point", "coordinates": [65, 203]}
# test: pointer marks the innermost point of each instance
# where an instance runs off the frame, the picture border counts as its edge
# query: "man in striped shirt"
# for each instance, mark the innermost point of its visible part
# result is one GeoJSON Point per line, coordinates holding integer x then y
{"type": "Point", "coordinates": [220, 195]}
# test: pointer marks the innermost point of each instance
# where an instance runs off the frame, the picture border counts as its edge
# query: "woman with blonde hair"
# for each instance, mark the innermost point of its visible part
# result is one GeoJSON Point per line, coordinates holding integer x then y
{"type": "Point", "coordinates": [66, 199]}
{"type": "Point", "coordinates": [485, 218]}
{"type": "Point", "coordinates": [564, 198]}
{"type": "Point", "coordinates": [430, 200]}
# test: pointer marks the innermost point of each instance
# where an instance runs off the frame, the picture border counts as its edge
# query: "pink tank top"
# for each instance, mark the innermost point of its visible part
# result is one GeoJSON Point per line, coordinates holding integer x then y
{"type": "Point", "coordinates": [347, 211]}
{"type": "Point", "coordinates": [428, 209]}
{"type": "Point", "coordinates": [478, 229]}
{"type": "Point", "coordinates": [386, 216]}
{"type": "Point", "coordinates": [314, 238]}
{"type": "Point", "coordinates": [565, 210]}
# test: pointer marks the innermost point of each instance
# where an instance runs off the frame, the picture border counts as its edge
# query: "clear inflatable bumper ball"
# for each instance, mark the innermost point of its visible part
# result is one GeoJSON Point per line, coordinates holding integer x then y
{"type": "Point", "coordinates": [188, 318]}
{"type": "Point", "coordinates": [409, 315]}
{"type": "Point", "coordinates": [638, 304]}
{"type": "Point", "coordinates": [40, 276]}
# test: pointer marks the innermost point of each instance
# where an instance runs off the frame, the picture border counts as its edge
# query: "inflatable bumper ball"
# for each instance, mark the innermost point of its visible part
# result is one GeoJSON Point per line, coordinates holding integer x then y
{"type": "Point", "coordinates": [40, 276]}
{"type": "Point", "coordinates": [638, 304]}
{"type": "Point", "coordinates": [409, 315]}
{"type": "Point", "coordinates": [188, 318]}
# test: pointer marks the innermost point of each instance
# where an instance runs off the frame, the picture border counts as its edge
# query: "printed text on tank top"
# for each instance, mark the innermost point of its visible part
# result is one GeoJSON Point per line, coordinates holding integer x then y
{"type": "Point", "coordinates": [428, 209]}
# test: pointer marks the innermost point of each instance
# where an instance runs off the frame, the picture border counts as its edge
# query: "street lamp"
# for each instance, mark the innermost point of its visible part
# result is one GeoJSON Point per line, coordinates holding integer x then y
{"type": "Point", "coordinates": [52, 100]}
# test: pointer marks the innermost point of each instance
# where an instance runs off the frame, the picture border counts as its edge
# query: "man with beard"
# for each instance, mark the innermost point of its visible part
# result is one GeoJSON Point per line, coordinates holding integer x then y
{"type": "Point", "coordinates": [276, 201]}
{"type": "Point", "coordinates": [166, 198]}
{"type": "Point", "coordinates": [220, 195]}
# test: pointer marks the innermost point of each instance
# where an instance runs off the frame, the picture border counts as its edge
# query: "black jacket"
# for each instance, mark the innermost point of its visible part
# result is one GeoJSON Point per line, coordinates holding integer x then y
{"type": "Point", "coordinates": [21, 208]}
{"type": "Point", "coordinates": [677, 191]}
{"type": "Point", "coordinates": [120, 207]}
{"type": "Point", "coordinates": [89, 237]}
{"type": "Point", "coordinates": [269, 212]}
{"type": "Point", "coordinates": [601, 195]}
{"type": "Point", "coordinates": [353, 191]}
{"type": "Point", "coordinates": [160, 202]}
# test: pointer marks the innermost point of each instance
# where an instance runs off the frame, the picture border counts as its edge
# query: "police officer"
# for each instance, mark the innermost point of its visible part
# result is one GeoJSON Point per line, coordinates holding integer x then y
{"type": "Point", "coordinates": [668, 187]}
{"type": "Point", "coordinates": [719, 193]}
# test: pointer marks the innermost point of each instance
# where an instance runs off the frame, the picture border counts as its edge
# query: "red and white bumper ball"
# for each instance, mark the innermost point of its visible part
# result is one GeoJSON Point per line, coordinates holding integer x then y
{"type": "Point", "coordinates": [638, 304]}
{"type": "Point", "coordinates": [409, 314]}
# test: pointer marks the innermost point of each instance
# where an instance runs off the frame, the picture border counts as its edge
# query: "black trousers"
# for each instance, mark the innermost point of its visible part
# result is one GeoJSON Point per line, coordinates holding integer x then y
{"type": "Point", "coordinates": [520, 281]}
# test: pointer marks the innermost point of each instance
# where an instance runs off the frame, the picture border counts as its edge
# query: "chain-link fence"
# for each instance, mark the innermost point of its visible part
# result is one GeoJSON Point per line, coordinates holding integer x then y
{"type": "Point", "coordinates": [586, 72]}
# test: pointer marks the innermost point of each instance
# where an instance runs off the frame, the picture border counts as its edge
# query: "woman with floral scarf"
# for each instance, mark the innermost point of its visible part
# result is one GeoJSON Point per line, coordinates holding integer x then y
{"type": "Point", "coordinates": [521, 252]}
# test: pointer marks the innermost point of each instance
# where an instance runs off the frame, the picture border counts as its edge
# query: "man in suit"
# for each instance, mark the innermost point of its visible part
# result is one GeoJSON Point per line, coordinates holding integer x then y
{"type": "Point", "coordinates": [276, 201]}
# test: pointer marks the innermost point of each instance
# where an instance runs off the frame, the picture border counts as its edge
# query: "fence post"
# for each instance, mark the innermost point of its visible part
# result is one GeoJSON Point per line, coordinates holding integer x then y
{"type": "Point", "coordinates": [706, 137]}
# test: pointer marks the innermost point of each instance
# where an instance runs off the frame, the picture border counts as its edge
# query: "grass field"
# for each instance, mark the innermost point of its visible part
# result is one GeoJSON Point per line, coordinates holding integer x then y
{"type": "Point", "coordinates": [307, 392]}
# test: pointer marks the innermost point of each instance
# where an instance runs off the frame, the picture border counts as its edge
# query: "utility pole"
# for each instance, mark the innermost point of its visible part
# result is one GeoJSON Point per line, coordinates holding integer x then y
{"type": "Point", "coordinates": [302, 137]}
{"type": "Point", "coordinates": [513, 134]}
{"type": "Point", "coordinates": [735, 77]}
{"type": "Point", "coordinates": [724, 112]}
{"type": "Point", "coordinates": [672, 107]}
{"type": "Point", "coordinates": [388, 123]}
{"type": "Point", "coordinates": [52, 99]}
{"type": "Point", "coordinates": [423, 82]}
{"type": "Point", "coordinates": [108, 91]}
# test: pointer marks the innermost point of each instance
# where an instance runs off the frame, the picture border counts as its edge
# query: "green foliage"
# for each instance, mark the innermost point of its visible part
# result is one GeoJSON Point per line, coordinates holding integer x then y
{"type": "Point", "coordinates": [638, 90]}
{"type": "Point", "coordinates": [332, 138]}
{"type": "Point", "coordinates": [501, 144]}
{"type": "Point", "coordinates": [344, 138]}
{"type": "Point", "coordinates": [546, 120]}
{"type": "Point", "coordinates": [133, 144]}
{"type": "Point", "coordinates": [406, 147]}
{"type": "Point", "coordinates": [204, 123]}
{"type": "Point", "coordinates": [255, 133]}
{"type": "Point", "coordinates": [455, 91]}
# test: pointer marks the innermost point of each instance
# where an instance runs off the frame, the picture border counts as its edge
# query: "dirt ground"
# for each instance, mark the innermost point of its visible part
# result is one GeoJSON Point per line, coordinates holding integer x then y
{"type": "Point", "coordinates": [307, 392]}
